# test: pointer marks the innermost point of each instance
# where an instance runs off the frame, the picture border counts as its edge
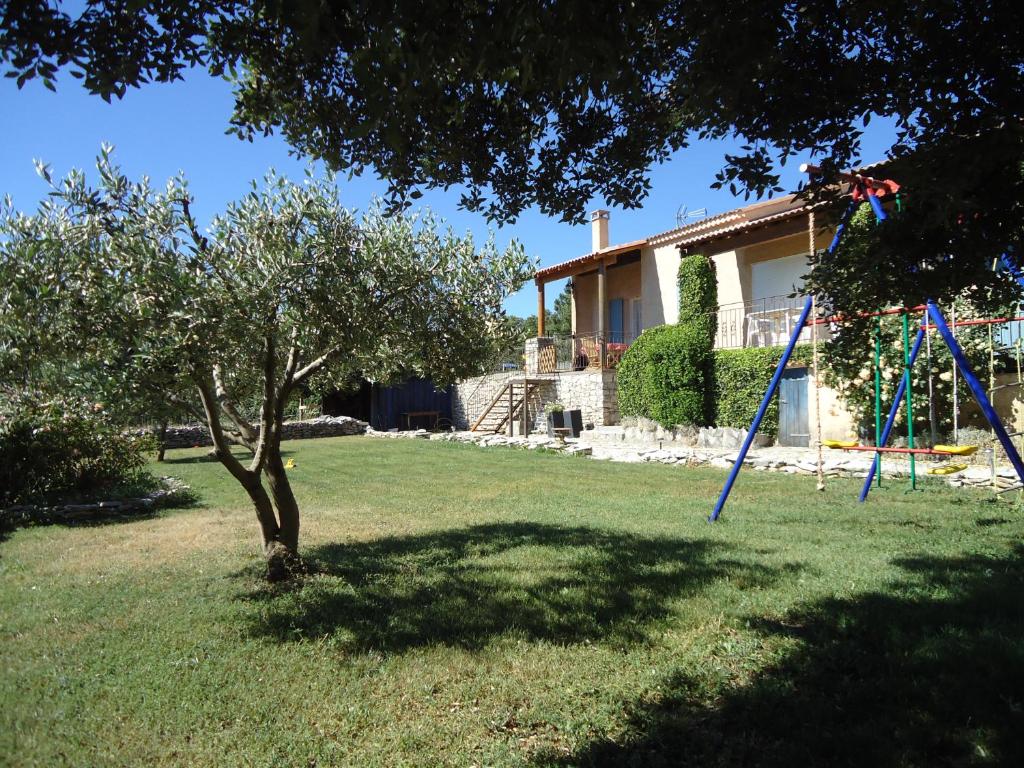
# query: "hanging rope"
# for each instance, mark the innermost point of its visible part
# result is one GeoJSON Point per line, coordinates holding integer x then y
{"type": "Point", "coordinates": [814, 355]}
{"type": "Point", "coordinates": [991, 370]}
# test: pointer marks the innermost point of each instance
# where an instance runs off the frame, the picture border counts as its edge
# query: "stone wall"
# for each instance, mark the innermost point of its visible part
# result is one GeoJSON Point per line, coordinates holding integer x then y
{"type": "Point", "coordinates": [471, 396]}
{"type": "Point", "coordinates": [171, 491]}
{"type": "Point", "coordinates": [322, 426]}
{"type": "Point", "coordinates": [592, 392]}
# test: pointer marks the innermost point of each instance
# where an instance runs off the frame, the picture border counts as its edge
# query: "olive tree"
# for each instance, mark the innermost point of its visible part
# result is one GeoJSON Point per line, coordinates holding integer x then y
{"type": "Point", "coordinates": [285, 285]}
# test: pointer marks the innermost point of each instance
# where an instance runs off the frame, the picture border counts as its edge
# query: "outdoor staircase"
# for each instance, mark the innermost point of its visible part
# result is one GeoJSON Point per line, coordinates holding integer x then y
{"type": "Point", "coordinates": [507, 404]}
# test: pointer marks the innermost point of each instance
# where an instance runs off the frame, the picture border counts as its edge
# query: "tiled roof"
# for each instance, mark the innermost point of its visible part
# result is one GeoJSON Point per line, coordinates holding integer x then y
{"type": "Point", "coordinates": [554, 271]}
{"type": "Point", "coordinates": [732, 222]}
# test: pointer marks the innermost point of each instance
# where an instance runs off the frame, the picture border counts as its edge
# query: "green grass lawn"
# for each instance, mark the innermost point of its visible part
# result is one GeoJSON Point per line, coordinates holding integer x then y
{"type": "Point", "coordinates": [503, 608]}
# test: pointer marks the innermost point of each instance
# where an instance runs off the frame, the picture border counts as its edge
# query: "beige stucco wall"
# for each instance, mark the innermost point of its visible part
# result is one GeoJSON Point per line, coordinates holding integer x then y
{"type": "Point", "coordinates": [659, 266]}
{"type": "Point", "coordinates": [660, 291]}
{"type": "Point", "coordinates": [733, 273]}
{"type": "Point", "coordinates": [1008, 402]}
{"type": "Point", "coordinates": [836, 422]}
{"type": "Point", "coordinates": [584, 303]}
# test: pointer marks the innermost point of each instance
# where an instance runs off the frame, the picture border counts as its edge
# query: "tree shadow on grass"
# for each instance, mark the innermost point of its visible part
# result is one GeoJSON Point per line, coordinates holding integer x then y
{"type": "Point", "coordinates": [929, 674]}
{"type": "Point", "coordinates": [207, 458]}
{"type": "Point", "coordinates": [465, 586]}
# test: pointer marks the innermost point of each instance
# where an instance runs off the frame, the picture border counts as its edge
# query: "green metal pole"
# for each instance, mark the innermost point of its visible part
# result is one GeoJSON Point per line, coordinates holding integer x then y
{"type": "Point", "coordinates": [878, 399]}
{"type": "Point", "coordinates": [910, 399]}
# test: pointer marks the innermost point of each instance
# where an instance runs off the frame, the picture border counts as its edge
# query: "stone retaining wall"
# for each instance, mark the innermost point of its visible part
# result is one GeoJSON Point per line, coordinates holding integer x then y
{"type": "Point", "coordinates": [592, 392]}
{"type": "Point", "coordinates": [193, 436]}
{"type": "Point", "coordinates": [793, 461]}
{"type": "Point", "coordinates": [172, 491]}
{"type": "Point", "coordinates": [471, 396]}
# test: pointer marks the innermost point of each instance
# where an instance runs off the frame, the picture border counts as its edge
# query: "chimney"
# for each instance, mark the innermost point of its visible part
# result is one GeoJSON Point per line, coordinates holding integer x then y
{"type": "Point", "coordinates": [599, 230]}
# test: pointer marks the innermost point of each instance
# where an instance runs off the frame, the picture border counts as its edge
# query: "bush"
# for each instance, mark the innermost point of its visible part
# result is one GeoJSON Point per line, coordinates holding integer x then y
{"type": "Point", "coordinates": [698, 294]}
{"type": "Point", "coordinates": [668, 373]}
{"type": "Point", "coordinates": [48, 454]}
{"type": "Point", "coordinates": [663, 376]}
{"type": "Point", "coordinates": [848, 367]}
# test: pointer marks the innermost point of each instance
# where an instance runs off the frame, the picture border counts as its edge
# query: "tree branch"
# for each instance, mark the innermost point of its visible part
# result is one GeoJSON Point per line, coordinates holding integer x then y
{"type": "Point", "coordinates": [246, 430]}
{"type": "Point", "coordinates": [268, 411]}
{"type": "Point", "coordinates": [188, 407]}
{"type": "Point", "coordinates": [202, 244]}
{"type": "Point", "coordinates": [220, 443]}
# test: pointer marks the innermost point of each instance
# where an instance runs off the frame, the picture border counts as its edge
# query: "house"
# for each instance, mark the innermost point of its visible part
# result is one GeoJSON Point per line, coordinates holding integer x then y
{"type": "Point", "coordinates": [760, 253]}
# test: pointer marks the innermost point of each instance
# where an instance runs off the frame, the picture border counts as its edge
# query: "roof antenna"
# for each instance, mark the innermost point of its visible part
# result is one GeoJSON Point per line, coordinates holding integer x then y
{"type": "Point", "coordinates": [683, 213]}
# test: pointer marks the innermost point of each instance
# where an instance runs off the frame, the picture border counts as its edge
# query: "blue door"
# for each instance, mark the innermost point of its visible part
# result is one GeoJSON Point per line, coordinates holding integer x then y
{"type": "Point", "coordinates": [616, 319]}
{"type": "Point", "coordinates": [793, 419]}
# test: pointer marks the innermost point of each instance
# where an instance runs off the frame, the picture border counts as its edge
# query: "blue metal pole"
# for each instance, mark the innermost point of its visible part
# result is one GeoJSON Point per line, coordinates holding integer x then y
{"type": "Point", "coordinates": [749, 439]}
{"type": "Point", "coordinates": [896, 403]}
{"type": "Point", "coordinates": [979, 391]}
{"type": "Point", "coordinates": [1010, 264]}
{"type": "Point", "coordinates": [876, 205]}
{"type": "Point", "coordinates": [842, 225]}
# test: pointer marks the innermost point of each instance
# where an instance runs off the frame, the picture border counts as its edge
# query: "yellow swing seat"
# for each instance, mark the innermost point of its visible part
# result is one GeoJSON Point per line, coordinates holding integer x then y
{"type": "Point", "coordinates": [839, 443]}
{"type": "Point", "coordinates": [956, 450]}
{"type": "Point", "coordinates": [947, 469]}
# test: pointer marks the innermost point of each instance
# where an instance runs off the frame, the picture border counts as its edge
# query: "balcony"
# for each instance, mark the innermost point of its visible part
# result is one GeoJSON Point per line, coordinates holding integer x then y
{"type": "Point", "coordinates": [578, 352]}
{"type": "Point", "coordinates": [767, 322]}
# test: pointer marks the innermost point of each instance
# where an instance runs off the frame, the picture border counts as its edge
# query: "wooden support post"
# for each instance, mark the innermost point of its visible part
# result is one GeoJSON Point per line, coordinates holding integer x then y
{"type": "Point", "coordinates": [524, 429]}
{"type": "Point", "coordinates": [540, 308]}
{"type": "Point", "coordinates": [511, 401]}
{"type": "Point", "coordinates": [602, 311]}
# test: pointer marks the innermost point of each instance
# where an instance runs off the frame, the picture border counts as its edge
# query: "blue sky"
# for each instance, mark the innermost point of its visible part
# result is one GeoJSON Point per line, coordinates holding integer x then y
{"type": "Point", "coordinates": [161, 129]}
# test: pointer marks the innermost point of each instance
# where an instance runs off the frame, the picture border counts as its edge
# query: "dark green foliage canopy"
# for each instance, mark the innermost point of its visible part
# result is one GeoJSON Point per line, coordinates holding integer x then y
{"type": "Point", "coordinates": [553, 104]}
{"type": "Point", "coordinates": [555, 96]}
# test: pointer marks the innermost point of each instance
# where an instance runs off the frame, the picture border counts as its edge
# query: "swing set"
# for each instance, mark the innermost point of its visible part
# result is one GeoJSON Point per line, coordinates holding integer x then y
{"type": "Point", "coordinates": [867, 189]}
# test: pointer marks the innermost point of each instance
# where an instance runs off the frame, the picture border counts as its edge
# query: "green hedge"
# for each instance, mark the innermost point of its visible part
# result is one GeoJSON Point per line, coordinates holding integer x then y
{"type": "Point", "coordinates": [659, 379]}
{"type": "Point", "coordinates": [741, 378]}
{"type": "Point", "coordinates": [662, 376]}
{"type": "Point", "coordinates": [698, 294]}
{"type": "Point", "coordinates": [667, 374]}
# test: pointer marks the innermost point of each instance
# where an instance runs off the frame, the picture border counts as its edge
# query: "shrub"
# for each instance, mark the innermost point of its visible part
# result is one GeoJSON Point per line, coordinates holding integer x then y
{"type": "Point", "coordinates": [49, 453]}
{"type": "Point", "coordinates": [848, 367]}
{"type": "Point", "coordinates": [698, 294]}
{"type": "Point", "coordinates": [663, 376]}
{"type": "Point", "coordinates": [667, 374]}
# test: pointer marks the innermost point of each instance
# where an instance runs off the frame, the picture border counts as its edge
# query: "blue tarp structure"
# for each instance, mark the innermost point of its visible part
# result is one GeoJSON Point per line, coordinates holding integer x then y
{"type": "Point", "coordinates": [386, 407]}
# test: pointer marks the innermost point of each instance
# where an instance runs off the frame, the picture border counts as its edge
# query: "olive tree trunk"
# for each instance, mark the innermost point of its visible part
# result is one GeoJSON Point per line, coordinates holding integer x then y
{"type": "Point", "coordinates": [277, 512]}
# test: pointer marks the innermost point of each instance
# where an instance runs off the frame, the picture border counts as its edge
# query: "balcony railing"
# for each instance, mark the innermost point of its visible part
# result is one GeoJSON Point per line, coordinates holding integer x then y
{"type": "Point", "coordinates": [767, 322]}
{"type": "Point", "coordinates": [579, 352]}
